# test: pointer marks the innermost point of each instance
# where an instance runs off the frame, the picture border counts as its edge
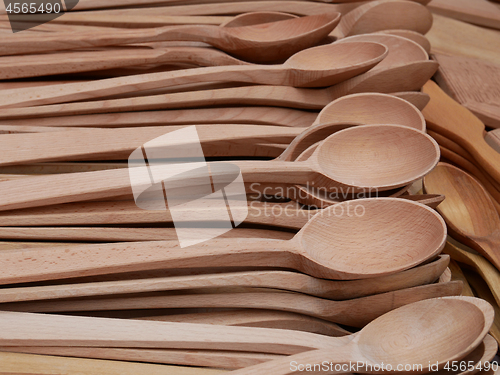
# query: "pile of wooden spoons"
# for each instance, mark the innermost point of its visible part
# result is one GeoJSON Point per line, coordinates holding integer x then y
{"type": "Point", "coordinates": [317, 105]}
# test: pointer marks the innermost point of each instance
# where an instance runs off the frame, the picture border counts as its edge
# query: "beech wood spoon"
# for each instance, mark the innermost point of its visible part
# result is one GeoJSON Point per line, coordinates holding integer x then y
{"type": "Point", "coordinates": [284, 280]}
{"type": "Point", "coordinates": [468, 210]}
{"type": "Point", "coordinates": [319, 66]}
{"type": "Point", "coordinates": [258, 43]}
{"type": "Point", "coordinates": [332, 164]}
{"type": "Point", "coordinates": [324, 247]}
{"type": "Point", "coordinates": [413, 334]}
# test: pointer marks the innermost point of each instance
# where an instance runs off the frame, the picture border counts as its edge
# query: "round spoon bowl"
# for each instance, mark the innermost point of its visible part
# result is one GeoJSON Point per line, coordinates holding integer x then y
{"type": "Point", "coordinates": [377, 156]}
{"type": "Point", "coordinates": [319, 61]}
{"type": "Point", "coordinates": [255, 18]}
{"type": "Point", "coordinates": [409, 338]}
{"type": "Point", "coordinates": [377, 108]}
{"type": "Point", "coordinates": [373, 236]}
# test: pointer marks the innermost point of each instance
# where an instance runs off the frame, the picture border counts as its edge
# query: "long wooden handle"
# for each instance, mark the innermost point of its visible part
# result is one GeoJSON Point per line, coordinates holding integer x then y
{"type": "Point", "coordinates": [273, 75]}
{"type": "Point", "coordinates": [85, 260]}
{"type": "Point", "coordinates": [199, 358]}
{"type": "Point", "coordinates": [33, 44]}
{"type": "Point", "coordinates": [25, 329]}
{"type": "Point", "coordinates": [29, 364]}
{"type": "Point", "coordinates": [120, 143]}
{"type": "Point", "coordinates": [84, 61]}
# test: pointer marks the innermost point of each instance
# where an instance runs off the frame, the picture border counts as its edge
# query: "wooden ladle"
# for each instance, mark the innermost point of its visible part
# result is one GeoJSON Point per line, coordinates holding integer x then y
{"type": "Point", "coordinates": [332, 245]}
{"type": "Point", "coordinates": [413, 334]}
{"type": "Point", "coordinates": [314, 67]}
{"type": "Point", "coordinates": [258, 43]}
{"type": "Point", "coordinates": [468, 210]}
{"type": "Point", "coordinates": [284, 280]}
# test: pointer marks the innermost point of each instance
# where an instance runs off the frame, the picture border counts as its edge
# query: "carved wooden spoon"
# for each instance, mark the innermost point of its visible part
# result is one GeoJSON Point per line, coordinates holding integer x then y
{"type": "Point", "coordinates": [319, 66]}
{"type": "Point", "coordinates": [258, 43]}
{"type": "Point", "coordinates": [284, 280]}
{"type": "Point", "coordinates": [324, 247]}
{"type": "Point", "coordinates": [468, 210]}
{"type": "Point", "coordinates": [382, 340]}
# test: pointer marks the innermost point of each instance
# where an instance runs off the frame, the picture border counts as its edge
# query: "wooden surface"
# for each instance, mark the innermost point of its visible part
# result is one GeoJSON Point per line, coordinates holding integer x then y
{"type": "Point", "coordinates": [473, 83]}
{"type": "Point", "coordinates": [478, 12]}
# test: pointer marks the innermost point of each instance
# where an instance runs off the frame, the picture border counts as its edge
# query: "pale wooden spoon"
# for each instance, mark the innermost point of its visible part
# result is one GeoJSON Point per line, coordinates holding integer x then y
{"type": "Point", "coordinates": [407, 77]}
{"type": "Point", "coordinates": [319, 66]}
{"type": "Point", "coordinates": [361, 310]}
{"type": "Point", "coordinates": [258, 43]}
{"type": "Point", "coordinates": [362, 109]}
{"type": "Point", "coordinates": [468, 210]}
{"type": "Point", "coordinates": [411, 334]}
{"type": "Point", "coordinates": [284, 280]}
{"type": "Point", "coordinates": [331, 166]}
{"type": "Point", "coordinates": [324, 247]}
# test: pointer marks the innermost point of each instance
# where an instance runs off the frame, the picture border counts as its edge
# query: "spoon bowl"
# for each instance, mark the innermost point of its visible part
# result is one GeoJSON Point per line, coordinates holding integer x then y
{"type": "Point", "coordinates": [384, 254]}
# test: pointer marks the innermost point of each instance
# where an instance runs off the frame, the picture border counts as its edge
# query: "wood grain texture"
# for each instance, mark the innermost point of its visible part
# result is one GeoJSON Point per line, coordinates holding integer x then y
{"type": "Point", "coordinates": [29, 364]}
{"type": "Point", "coordinates": [478, 12]}
{"type": "Point", "coordinates": [493, 139]}
{"type": "Point", "coordinates": [361, 310]}
{"type": "Point", "coordinates": [408, 77]}
{"type": "Point", "coordinates": [473, 83]}
{"type": "Point", "coordinates": [283, 280]}
{"type": "Point", "coordinates": [453, 37]}
{"type": "Point", "coordinates": [427, 242]}
{"type": "Point", "coordinates": [449, 118]}
{"type": "Point", "coordinates": [468, 210]}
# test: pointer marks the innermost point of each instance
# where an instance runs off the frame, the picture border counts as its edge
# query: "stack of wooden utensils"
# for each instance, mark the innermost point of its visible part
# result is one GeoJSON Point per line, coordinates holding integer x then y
{"type": "Point", "coordinates": [329, 112]}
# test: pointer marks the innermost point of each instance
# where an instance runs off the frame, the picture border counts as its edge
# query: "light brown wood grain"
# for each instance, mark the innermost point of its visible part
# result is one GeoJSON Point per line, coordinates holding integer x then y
{"type": "Point", "coordinates": [493, 139]}
{"type": "Point", "coordinates": [473, 83]}
{"type": "Point", "coordinates": [423, 242]}
{"type": "Point", "coordinates": [468, 209]}
{"type": "Point", "coordinates": [336, 290]}
{"type": "Point", "coordinates": [453, 37]}
{"type": "Point", "coordinates": [478, 12]}
{"type": "Point", "coordinates": [449, 118]}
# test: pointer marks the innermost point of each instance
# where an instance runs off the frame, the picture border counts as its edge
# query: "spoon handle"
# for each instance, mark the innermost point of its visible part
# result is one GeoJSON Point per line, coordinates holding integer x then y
{"type": "Point", "coordinates": [33, 44]}
{"type": "Point", "coordinates": [26, 265]}
{"type": "Point", "coordinates": [274, 75]}
{"type": "Point", "coordinates": [26, 329]}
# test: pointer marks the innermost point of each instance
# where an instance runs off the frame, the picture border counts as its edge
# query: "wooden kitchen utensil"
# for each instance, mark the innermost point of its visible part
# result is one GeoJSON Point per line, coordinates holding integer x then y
{"type": "Point", "coordinates": [478, 12]}
{"type": "Point", "coordinates": [274, 41]}
{"type": "Point", "coordinates": [369, 347]}
{"type": "Point", "coordinates": [319, 66]}
{"type": "Point", "coordinates": [361, 310]}
{"type": "Point", "coordinates": [447, 117]}
{"type": "Point", "coordinates": [331, 289]}
{"type": "Point", "coordinates": [319, 234]}
{"type": "Point", "coordinates": [493, 139]}
{"type": "Point", "coordinates": [468, 210]}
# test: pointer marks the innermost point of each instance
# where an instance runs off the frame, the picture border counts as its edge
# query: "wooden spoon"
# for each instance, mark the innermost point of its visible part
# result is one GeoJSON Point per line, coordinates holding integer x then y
{"type": "Point", "coordinates": [306, 251]}
{"type": "Point", "coordinates": [447, 117]}
{"type": "Point", "coordinates": [412, 35]}
{"type": "Point", "coordinates": [273, 41]}
{"type": "Point", "coordinates": [29, 364]}
{"type": "Point", "coordinates": [406, 324]}
{"type": "Point", "coordinates": [331, 165]}
{"type": "Point", "coordinates": [493, 139]}
{"type": "Point", "coordinates": [314, 67]}
{"type": "Point", "coordinates": [407, 77]}
{"type": "Point", "coordinates": [468, 210]}
{"type": "Point", "coordinates": [284, 280]}
{"type": "Point", "coordinates": [361, 310]}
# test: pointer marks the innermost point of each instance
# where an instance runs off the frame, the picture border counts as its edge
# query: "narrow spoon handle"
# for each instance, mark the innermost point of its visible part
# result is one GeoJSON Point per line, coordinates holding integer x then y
{"type": "Point", "coordinates": [27, 265]}
{"type": "Point", "coordinates": [34, 44]}
{"type": "Point", "coordinates": [274, 75]}
{"type": "Point", "coordinates": [25, 329]}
